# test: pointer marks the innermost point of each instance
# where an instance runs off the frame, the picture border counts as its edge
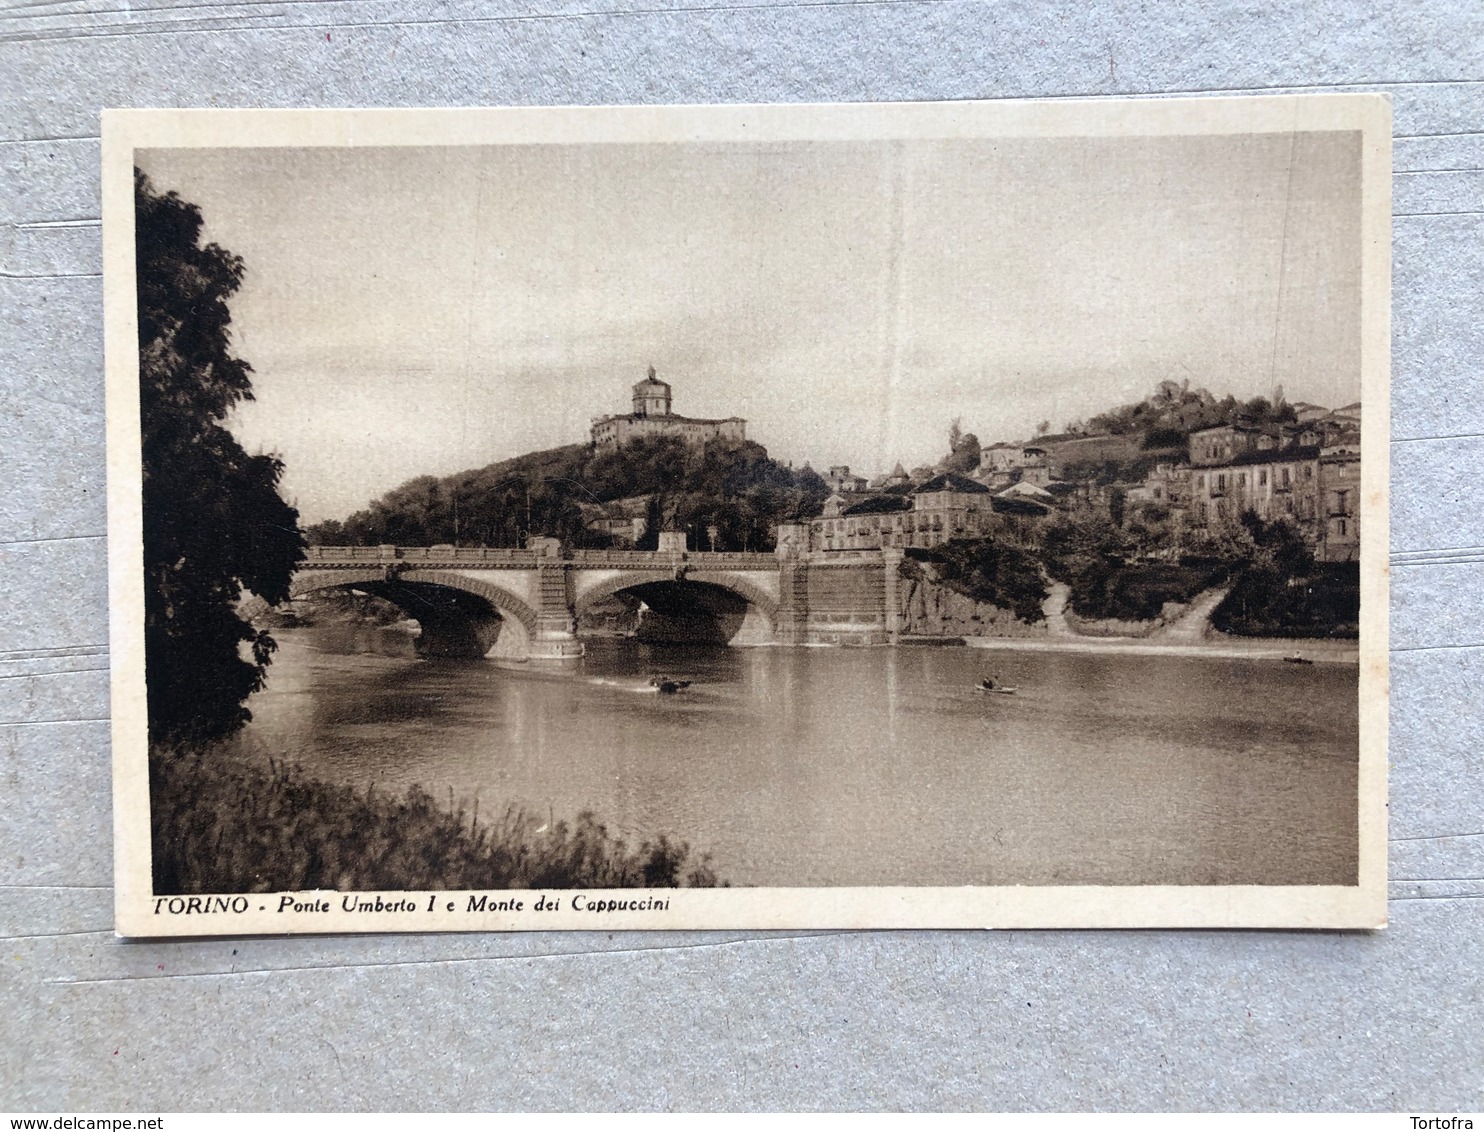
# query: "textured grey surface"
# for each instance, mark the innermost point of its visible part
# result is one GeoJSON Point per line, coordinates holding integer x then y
{"type": "Point", "coordinates": [912, 1020]}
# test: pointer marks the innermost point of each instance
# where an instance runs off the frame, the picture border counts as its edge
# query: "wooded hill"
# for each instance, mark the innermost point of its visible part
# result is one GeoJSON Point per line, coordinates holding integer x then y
{"type": "Point", "coordinates": [737, 488]}
{"type": "Point", "coordinates": [1123, 444]}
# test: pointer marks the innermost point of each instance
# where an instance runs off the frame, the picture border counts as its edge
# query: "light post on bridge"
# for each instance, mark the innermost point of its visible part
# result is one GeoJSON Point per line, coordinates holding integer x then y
{"type": "Point", "coordinates": [526, 483]}
{"type": "Point", "coordinates": [579, 486]}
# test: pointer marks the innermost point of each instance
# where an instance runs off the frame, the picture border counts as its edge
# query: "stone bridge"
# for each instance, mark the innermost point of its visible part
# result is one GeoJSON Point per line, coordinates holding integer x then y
{"type": "Point", "coordinates": [528, 604]}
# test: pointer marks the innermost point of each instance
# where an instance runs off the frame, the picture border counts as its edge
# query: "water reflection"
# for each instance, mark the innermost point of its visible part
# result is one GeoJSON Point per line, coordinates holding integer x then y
{"type": "Point", "coordinates": [871, 766]}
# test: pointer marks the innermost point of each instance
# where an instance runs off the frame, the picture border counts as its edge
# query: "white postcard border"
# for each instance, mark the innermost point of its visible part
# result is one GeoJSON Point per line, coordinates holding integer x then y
{"type": "Point", "coordinates": [138, 913]}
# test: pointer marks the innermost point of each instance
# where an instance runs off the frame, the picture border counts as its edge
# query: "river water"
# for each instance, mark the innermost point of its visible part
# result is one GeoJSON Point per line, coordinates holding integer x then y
{"type": "Point", "coordinates": [805, 767]}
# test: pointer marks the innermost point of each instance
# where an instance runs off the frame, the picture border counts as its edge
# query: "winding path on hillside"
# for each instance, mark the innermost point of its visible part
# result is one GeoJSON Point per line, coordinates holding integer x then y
{"type": "Point", "coordinates": [1054, 609]}
{"type": "Point", "coordinates": [1192, 625]}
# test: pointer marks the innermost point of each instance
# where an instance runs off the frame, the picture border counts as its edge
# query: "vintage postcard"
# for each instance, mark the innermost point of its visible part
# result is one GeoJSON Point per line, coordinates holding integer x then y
{"type": "Point", "coordinates": [943, 515]}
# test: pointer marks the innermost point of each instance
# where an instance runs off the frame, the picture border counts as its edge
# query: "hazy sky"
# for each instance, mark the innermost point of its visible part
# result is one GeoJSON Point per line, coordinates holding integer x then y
{"type": "Point", "coordinates": [412, 311]}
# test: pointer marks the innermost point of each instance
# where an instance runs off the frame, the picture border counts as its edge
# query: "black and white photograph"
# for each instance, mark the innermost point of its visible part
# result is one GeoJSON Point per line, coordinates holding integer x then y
{"type": "Point", "coordinates": [951, 515]}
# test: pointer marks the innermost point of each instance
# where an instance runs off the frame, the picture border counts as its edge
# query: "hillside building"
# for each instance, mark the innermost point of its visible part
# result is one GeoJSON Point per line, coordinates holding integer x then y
{"type": "Point", "coordinates": [872, 523]}
{"type": "Point", "coordinates": [1036, 471]}
{"type": "Point", "coordinates": [1221, 444]}
{"type": "Point", "coordinates": [1339, 479]}
{"type": "Point", "coordinates": [1283, 483]}
{"type": "Point", "coordinates": [947, 506]}
{"type": "Point", "coordinates": [1025, 498]}
{"type": "Point", "coordinates": [841, 480]}
{"type": "Point", "coordinates": [896, 478]}
{"type": "Point", "coordinates": [652, 416]}
{"type": "Point", "coordinates": [1315, 488]}
{"type": "Point", "coordinates": [1305, 471]}
{"type": "Point", "coordinates": [1003, 457]}
{"type": "Point", "coordinates": [622, 520]}
{"type": "Point", "coordinates": [1167, 484]}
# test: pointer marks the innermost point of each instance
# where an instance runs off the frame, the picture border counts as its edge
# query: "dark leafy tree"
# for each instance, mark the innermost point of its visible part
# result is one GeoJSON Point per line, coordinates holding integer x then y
{"type": "Point", "coordinates": [993, 571]}
{"type": "Point", "coordinates": [964, 456]}
{"type": "Point", "coordinates": [1284, 592]}
{"type": "Point", "coordinates": [654, 523]}
{"type": "Point", "coordinates": [812, 485]}
{"type": "Point", "coordinates": [330, 532]}
{"type": "Point", "coordinates": [214, 523]}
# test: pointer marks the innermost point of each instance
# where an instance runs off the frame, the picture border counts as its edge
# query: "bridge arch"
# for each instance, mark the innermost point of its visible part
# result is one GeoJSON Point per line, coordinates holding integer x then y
{"type": "Point", "coordinates": [459, 616]}
{"type": "Point", "coordinates": [687, 607]}
{"type": "Point", "coordinates": [307, 582]}
{"type": "Point", "coordinates": [503, 600]}
{"type": "Point", "coordinates": [754, 595]}
{"type": "Point", "coordinates": [739, 584]}
{"type": "Point", "coordinates": [507, 604]}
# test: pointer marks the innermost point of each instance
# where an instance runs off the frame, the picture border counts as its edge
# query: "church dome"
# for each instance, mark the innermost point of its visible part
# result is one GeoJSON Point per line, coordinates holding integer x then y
{"type": "Point", "coordinates": [651, 397]}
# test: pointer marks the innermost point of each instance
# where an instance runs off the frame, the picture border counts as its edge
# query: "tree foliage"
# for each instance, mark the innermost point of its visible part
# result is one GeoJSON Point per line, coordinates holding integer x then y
{"type": "Point", "coordinates": [1108, 569]}
{"type": "Point", "coordinates": [1284, 592]}
{"type": "Point", "coordinates": [992, 570]}
{"type": "Point", "coordinates": [214, 522]}
{"type": "Point", "coordinates": [963, 457]}
{"type": "Point", "coordinates": [225, 828]}
{"type": "Point", "coordinates": [1172, 412]}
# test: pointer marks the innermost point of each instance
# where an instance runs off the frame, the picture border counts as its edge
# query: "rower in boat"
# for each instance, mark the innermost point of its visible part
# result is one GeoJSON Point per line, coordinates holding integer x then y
{"type": "Point", "coordinates": [990, 685]}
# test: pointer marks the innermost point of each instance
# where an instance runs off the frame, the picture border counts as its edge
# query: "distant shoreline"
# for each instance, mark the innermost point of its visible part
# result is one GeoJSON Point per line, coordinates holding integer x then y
{"type": "Point", "coordinates": [1319, 650]}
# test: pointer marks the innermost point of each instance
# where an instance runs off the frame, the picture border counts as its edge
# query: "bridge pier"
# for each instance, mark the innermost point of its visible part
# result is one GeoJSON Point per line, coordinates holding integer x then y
{"type": "Point", "coordinates": [793, 601]}
{"type": "Point", "coordinates": [556, 640]}
{"type": "Point", "coordinates": [891, 598]}
{"type": "Point", "coordinates": [555, 637]}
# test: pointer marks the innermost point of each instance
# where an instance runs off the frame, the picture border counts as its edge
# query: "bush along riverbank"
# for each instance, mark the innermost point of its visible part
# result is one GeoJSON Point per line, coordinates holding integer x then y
{"type": "Point", "coordinates": [979, 587]}
{"type": "Point", "coordinates": [1130, 581]}
{"type": "Point", "coordinates": [1149, 593]}
{"type": "Point", "coordinates": [1322, 601]}
{"type": "Point", "coordinates": [221, 827]}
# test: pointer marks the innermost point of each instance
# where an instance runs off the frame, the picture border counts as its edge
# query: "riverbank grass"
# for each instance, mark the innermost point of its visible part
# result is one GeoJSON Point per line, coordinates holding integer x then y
{"type": "Point", "coordinates": [219, 826]}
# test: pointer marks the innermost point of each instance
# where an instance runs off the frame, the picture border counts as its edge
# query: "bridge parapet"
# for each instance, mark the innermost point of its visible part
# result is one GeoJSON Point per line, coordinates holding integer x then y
{"type": "Point", "coordinates": [619, 559]}
{"type": "Point", "coordinates": [847, 557]}
{"type": "Point", "coordinates": [329, 556]}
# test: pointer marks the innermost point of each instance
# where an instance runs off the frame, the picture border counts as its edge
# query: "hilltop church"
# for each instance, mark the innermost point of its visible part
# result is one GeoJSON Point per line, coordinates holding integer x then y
{"type": "Point", "coordinates": [652, 417]}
